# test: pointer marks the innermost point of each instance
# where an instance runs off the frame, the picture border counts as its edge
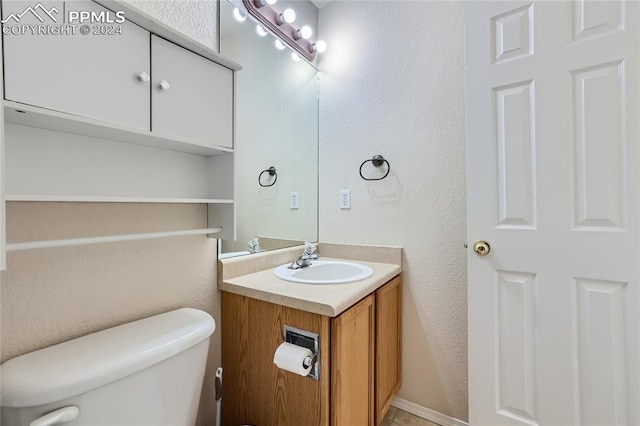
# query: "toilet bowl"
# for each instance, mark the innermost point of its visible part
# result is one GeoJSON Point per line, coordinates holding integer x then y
{"type": "Point", "coordinates": [148, 372]}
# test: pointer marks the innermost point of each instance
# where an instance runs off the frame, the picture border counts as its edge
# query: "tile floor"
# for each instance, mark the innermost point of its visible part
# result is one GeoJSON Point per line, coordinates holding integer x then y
{"type": "Point", "coordinates": [396, 417]}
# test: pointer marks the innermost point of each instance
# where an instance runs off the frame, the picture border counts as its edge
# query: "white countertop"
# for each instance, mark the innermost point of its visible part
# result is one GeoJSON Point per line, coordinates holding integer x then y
{"type": "Point", "coordinates": [330, 299]}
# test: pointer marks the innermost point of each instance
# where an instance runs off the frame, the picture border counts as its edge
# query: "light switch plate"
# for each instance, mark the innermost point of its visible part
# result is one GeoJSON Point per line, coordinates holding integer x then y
{"type": "Point", "coordinates": [294, 201]}
{"type": "Point", "coordinates": [345, 198]}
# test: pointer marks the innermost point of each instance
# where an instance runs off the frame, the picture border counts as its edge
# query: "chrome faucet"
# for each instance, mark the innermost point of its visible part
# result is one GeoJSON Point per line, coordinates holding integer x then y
{"type": "Point", "coordinates": [305, 258]}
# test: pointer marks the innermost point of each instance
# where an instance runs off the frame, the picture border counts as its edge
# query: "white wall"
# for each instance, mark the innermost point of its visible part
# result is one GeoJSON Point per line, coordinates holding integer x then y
{"type": "Point", "coordinates": [392, 83]}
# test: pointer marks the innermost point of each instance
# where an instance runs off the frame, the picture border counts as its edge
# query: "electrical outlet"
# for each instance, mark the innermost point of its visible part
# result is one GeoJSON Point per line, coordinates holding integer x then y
{"type": "Point", "coordinates": [345, 198]}
{"type": "Point", "coordinates": [294, 201]}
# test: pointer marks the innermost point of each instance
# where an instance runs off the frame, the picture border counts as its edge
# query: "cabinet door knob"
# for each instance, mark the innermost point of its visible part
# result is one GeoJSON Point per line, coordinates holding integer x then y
{"type": "Point", "coordinates": [164, 85]}
{"type": "Point", "coordinates": [144, 77]}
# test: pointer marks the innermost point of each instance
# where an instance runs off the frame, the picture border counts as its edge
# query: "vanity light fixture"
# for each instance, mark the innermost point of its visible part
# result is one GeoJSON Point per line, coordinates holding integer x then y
{"type": "Point", "coordinates": [280, 25]}
{"type": "Point", "coordinates": [240, 17]}
{"type": "Point", "coordinates": [261, 31]}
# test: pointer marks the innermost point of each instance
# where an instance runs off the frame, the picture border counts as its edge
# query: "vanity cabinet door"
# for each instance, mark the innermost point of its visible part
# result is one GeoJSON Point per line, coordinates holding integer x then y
{"type": "Point", "coordinates": [352, 365]}
{"type": "Point", "coordinates": [388, 345]}
{"type": "Point", "coordinates": [192, 97]}
{"type": "Point", "coordinates": [92, 75]}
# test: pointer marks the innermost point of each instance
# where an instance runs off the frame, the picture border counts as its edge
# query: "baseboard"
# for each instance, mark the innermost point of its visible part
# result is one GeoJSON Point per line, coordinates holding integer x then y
{"type": "Point", "coordinates": [427, 413]}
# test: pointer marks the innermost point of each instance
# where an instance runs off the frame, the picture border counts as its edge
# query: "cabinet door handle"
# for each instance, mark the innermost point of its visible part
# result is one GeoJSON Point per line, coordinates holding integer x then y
{"type": "Point", "coordinates": [144, 77]}
{"type": "Point", "coordinates": [164, 85]}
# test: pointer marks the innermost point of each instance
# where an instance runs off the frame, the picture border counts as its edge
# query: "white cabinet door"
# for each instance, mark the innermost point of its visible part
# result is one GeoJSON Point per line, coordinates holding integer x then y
{"type": "Point", "coordinates": [192, 97]}
{"type": "Point", "coordinates": [553, 186]}
{"type": "Point", "coordinates": [92, 75]}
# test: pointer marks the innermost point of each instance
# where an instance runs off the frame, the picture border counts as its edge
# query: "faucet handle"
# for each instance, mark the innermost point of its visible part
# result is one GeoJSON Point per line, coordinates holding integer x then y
{"type": "Point", "coordinates": [309, 248]}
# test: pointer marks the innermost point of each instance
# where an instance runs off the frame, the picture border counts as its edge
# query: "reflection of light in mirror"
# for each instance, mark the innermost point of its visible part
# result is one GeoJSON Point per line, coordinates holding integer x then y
{"type": "Point", "coordinates": [288, 16]}
{"type": "Point", "coordinates": [261, 31]}
{"type": "Point", "coordinates": [263, 2]}
{"type": "Point", "coordinates": [279, 45]}
{"type": "Point", "coordinates": [240, 17]}
{"type": "Point", "coordinates": [295, 56]}
{"type": "Point", "coordinates": [304, 32]}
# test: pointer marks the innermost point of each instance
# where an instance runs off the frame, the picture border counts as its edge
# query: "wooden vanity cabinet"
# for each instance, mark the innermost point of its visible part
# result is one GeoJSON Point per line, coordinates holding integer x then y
{"type": "Point", "coordinates": [388, 345]}
{"type": "Point", "coordinates": [359, 362]}
{"type": "Point", "coordinates": [353, 341]}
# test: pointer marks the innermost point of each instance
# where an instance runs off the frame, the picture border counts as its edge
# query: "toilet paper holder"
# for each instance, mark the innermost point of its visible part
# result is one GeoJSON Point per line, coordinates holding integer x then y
{"type": "Point", "coordinates": [309, 340]}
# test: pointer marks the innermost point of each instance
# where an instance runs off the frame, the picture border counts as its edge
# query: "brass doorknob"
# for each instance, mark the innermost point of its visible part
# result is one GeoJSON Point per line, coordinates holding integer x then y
{"type": "Point", "coordinates": [482, 248]}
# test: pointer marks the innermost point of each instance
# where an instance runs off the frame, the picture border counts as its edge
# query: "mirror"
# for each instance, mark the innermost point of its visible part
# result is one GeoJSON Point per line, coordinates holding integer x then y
{"type": "Point", "coordinates": [276, 125]}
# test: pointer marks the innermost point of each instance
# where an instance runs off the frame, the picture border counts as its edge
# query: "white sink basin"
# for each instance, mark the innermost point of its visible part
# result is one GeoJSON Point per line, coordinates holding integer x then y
{"type": "Point", "coordinates": [325, 272]}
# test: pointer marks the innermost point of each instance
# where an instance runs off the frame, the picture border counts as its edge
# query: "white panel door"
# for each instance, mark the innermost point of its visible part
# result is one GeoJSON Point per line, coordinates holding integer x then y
{"type": "Point", "coordinates": [92, 75]}
{"type": "Point", "coordinates": [553, 187]}
{"type": "Point", "coordinates": [192, 97]}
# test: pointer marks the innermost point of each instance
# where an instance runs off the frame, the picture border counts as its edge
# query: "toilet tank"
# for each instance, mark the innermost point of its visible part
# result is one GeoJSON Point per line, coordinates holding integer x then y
{"type": "Point", "coordinates": [147, 372]}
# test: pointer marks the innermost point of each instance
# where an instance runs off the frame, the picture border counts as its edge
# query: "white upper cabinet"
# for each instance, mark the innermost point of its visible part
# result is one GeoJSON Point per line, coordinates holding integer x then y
{"type": "Point", "coordinates": [191, 97]}
{"type": "Point", "coordinates": [90, 75]}
{"type": "Point", "coordinates": [108, 77]}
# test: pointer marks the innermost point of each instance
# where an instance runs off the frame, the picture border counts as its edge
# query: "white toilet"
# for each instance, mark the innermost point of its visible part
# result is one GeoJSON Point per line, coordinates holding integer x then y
{"type": "Point", "coordinates": [148, 372]}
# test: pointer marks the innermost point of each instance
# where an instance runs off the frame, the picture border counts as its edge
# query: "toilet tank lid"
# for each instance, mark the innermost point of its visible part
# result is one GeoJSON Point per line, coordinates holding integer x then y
{"type": "Point", "coordinates": [88, 362]}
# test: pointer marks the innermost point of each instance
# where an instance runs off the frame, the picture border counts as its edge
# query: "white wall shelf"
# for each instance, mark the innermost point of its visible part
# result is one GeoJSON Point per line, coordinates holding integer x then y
{"type": "Point", "coordinates": [86, 199]}
{"type": "Point", "coordinates": [28, 115]}
{"type": "Point", "coordinates": [32, 245]}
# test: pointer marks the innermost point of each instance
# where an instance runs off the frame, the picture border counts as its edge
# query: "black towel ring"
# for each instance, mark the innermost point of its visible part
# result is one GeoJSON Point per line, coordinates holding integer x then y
{"type": "Point", "coordinates": [377, 161]}
{"type": "Point", "coordinates": [272, 172]}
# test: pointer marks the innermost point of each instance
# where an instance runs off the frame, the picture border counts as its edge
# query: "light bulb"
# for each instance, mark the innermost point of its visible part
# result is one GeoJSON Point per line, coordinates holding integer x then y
{"type": "Point", "coordinates": [271, 2]}
{"type": "Point", "coordinates": [319, 46]}
{"type": "Point", "coordinates": [260, 3]}
{"type": "Point", "coordinates": [306, 32]}
{"type": "Point", "coordinates": [261, 31]}
{"type": "Point", "coordinates": [240, 17]}
{"type": "Point", "coordinates": [288, 16]}
{"type": "Point", "coordinates": [295, 57]}
{"type": "Point", "coordinates": [279, 45]}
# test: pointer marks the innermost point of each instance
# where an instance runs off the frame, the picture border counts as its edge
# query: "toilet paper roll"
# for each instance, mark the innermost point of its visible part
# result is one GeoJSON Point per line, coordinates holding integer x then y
{"type": "Point", "coordinates": [291, 358]}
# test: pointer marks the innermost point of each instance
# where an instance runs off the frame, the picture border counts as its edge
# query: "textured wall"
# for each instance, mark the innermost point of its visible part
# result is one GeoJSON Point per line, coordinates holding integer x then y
{"type": "Point", "coordinates": [392, 83]}
{"type": "Point", "coordinates": [53, 295]}
{"type": "Point", "coordinates": [197, 19]}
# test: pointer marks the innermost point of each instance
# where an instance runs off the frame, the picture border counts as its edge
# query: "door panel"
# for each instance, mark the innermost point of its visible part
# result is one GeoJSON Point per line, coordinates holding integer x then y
{"type": "Point", "coordinates": [198, 103]}
{"type": "Point", "coordinates": [599, 147]}
{"type": "Point", "coordinates": [516, 155]}
{"type": "Point", "coordinates": [516, 345]}
{"type": "Point", "coordinates": [92, 75]}
{"type": "Point", "coordinates": [602, 359]}
{"type": "Point", "coordinates": [553, 186]}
